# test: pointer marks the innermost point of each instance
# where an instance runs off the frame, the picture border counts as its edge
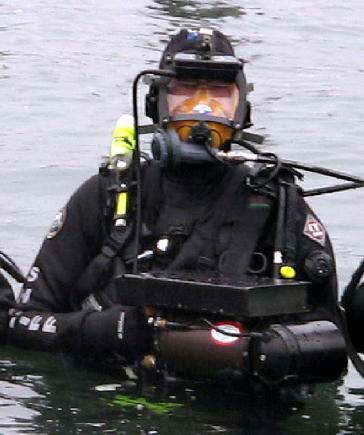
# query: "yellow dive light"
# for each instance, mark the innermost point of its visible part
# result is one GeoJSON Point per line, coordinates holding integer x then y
{"type": "Point", "coordinates": [121, 155]}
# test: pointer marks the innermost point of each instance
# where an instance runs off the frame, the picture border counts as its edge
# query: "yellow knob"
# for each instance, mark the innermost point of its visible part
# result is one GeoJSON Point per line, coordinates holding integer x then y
{"type": "Point", "coordinates": [287, 272]}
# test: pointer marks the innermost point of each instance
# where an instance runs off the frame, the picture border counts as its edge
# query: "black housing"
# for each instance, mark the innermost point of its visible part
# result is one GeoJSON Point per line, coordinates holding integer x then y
{"type": "Point", "coordinates": [276, 346]}
{"type": "Point", "coordinates": [310, 352]}
{"type": "Point", "coordinates": [197, 66]}
{"type": "Point", "coordinates": [245, 298]}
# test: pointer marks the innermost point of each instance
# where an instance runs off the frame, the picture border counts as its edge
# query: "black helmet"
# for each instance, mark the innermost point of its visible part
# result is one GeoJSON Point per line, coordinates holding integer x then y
{"type": "Point", "coordinates": [204, 65]}
{"type": "Point", "coordinates": [206, 41]}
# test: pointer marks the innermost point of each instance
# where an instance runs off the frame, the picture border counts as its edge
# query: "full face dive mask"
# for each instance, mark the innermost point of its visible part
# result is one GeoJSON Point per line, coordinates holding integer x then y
{"type": "Point", "coordinates": [198, 110]}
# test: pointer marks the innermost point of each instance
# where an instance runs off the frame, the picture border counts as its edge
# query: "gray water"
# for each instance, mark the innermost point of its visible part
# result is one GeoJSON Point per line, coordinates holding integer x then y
{"type": "Point", "coordinates": [66, 70]}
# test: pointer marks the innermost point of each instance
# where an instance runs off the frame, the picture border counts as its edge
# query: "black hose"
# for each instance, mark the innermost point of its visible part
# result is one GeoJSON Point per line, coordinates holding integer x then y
{"type": "Point", "coordinates": [324, 171]}
{"type": "Point", "coordinates": [10, 267]}
{"type": "Point", "coordinates": [273, 172]}
{"type": "Point", "coordinates": [354, 181]}
{"type": "Point", "coordinates": [137, 155]}
{"type": "Point", "coordinates": [250, 147]}
{"type": "Point", "coordinates": [279, 232]}
{"type": "Point", "coordinates": [331, 189]}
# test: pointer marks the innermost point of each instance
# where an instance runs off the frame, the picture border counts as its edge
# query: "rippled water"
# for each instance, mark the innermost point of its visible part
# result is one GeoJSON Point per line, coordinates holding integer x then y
{"type": "Point", "coordinates": [65, 75]}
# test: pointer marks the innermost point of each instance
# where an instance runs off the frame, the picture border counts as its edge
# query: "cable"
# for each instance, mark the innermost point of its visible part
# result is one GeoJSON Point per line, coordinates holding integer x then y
{"type": "Point", "coordinates": [232, 334]}
{"type": "Point", "coordinates": [331, 189]}
{"type": "Point", "coordinates": [354, 181]}
{"type": "Point", "coordinates": [137, 155]}
{"type": "Point", "coordinates": [323, 171]}
{"type": "Point", "coordinates": [273, 172]}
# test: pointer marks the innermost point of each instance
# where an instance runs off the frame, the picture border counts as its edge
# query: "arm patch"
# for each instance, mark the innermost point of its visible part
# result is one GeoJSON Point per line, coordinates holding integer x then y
{"type": "Point", "coordinates": [57, 223]}
{"type": "Point", "coordinates": [314, 230]}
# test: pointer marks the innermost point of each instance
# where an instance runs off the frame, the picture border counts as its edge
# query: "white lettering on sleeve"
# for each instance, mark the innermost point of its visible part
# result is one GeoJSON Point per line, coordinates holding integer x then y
{"type": "Point", "coordinates": [24, 320]}
{"type": "Point", "coordinates": [50, 325]}
{"type": "Point", "coordinates": [33, 274]}
{"type": "Point", "coordinates": [35, 323]}
{"type": "Point", "coordinates": [120, 330]}
{"type": "Point", "coordinates": [25, 295]}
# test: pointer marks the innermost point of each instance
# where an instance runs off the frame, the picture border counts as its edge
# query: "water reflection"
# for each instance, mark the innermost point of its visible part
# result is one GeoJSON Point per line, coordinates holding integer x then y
{"type": "Point", "coordinates": [169, 16]}
{"type": "Point", "coordinates": [56, 58]}
{"type": "Point", "coordinates": [195, 10]}
{"type": "Point", "coordinates": [45, 393]}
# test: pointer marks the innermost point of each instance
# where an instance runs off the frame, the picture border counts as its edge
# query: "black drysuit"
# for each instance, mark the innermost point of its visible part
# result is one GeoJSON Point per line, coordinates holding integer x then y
{"type": "Point", "coordinates": [50, 314]}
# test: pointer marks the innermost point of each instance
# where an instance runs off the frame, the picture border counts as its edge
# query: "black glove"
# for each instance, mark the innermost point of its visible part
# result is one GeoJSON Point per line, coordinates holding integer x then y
{"type": "Point", "coordinates": [121, 328]}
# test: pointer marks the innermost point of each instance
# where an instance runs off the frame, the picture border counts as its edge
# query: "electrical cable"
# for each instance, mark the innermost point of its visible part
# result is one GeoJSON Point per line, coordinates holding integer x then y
{"type": "Point", "coordinates": [232, 334]}
{"type": "Point", "coordinates": [137, 155]}
{"type": "Point", "coordinates": [273, 172]}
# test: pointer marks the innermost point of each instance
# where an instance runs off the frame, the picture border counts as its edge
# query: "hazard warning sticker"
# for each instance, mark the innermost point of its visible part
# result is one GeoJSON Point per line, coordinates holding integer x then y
{"type": "Point", "coordinates": [315, 230]}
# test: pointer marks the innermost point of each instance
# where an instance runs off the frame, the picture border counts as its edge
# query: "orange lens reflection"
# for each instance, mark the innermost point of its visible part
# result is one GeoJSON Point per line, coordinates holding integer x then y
{"type": "Point", "coordinates": [219, 133]}
{"type": "Point", "coordinates": [202, 97]}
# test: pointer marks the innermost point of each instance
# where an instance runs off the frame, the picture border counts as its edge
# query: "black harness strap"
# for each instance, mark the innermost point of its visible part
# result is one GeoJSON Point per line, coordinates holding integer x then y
{"type": "Point", "coordinates": [203, 235]}
{"type": "Point", "coordinates": [97, 274]}
{"type": "Point", "coordinates": [234, 203]}
{"type": "Point", "coordinates": [151, 194]}
{"type": "Point", "coordinates": [246, 232]}
{"type": "Point", "coordinates": [291, 223]}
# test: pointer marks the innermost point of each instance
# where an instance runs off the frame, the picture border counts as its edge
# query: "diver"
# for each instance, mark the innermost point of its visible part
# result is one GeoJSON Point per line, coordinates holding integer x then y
{"type": "Point", "coordinates": [188, 212]}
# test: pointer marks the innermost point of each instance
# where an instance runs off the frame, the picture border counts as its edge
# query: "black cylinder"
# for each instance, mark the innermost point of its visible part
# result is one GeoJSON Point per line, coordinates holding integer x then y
{"type": "Point", "coordinates": [308, 352]}
{"type": "Point", "coordinates": [202, 353]}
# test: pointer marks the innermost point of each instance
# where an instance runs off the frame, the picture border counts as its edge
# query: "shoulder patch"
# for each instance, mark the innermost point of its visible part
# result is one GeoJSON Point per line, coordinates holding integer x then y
{"type": "Point", "coordinates": [314, 230]}
{"type": "Point", "coordinates": [57, 223]}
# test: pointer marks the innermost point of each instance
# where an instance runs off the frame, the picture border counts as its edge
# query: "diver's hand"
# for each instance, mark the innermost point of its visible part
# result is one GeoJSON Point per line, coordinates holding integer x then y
{"type": "Point", "coordinates": [120, 328]}
{"type": "Point", "coordinates": [133, 331]}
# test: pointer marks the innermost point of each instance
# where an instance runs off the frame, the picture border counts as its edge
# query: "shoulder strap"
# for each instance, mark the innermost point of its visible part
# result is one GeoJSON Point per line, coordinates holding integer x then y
{"type": "Point", "coordinates": [151, 191]}
{"type": "Point", "coordinates": [97, 274]}
{"type": "Point", "coordinates": [246, 232]}
{"type": "Point", "coordinates": [203, 235]}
